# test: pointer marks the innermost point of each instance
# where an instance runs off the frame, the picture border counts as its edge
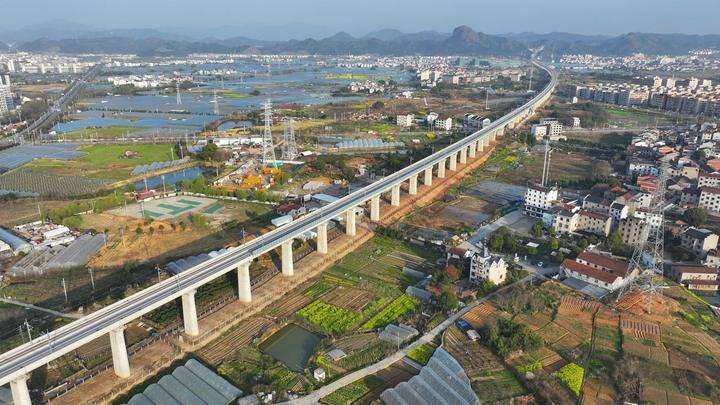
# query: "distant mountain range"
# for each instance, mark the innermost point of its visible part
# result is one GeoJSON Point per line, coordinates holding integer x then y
{"type": "Point", "coordinates": [4, 46]}
{"type": "Point", "coordinates": [462, 41]}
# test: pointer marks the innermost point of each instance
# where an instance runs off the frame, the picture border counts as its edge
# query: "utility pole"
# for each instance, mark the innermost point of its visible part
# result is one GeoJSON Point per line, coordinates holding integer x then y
{"type": "Point", "coordinates": [92, 279]}
{"type": "Point", "coordinates": [28, 327]}
{"type": "Point", "coordinates": [64, 289]}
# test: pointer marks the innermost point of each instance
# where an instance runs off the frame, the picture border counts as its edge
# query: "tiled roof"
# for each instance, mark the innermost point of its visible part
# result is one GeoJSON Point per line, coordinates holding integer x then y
{"type": "Point", "coordinates": [614, 265]}
{"type": "Point", "coordinates": [589, 271]}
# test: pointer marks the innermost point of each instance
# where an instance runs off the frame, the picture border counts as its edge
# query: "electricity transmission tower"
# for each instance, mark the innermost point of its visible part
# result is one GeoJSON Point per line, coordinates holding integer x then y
{"type": "Point", "coordinates": [531, 76]}
{"type": "Point", "coordinates": [216, 105]}
{"type": "Point", "coordinates": [647, 257]}
{"type": "Point", "coordinates": [178, 101]}
{"type": "Point", "coordinates": [268, 157]}
{"type": "Point", "coordinates": [289, 148]}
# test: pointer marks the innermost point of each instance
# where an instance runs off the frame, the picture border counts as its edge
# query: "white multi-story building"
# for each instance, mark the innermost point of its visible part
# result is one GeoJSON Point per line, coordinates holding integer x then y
{"type": "Point", "coordinates": [484, 266]}
{"type": "Point", "coordinates": [6, 101]}
{"type": "Point", "coordinates": [575, 122]}
{"type": "Point", "coordinates": [538, 131]}
{"type": "Point", "coordinates": [405, 120]}
{"type": "Point", "coordinates": [443, 124]}
{"type": "Point", "coordinates": [539, 199]}
{"type": "Point", "coordinates": [699, 241]}
{"type": "Point", "coordinates": [708, 180]}
{"type": "Point", "coordinates": [554, 127]}
{"type": "Point", "coordinates": [431, 117]}
{"type": "Point", "coordinates": [710, 199]}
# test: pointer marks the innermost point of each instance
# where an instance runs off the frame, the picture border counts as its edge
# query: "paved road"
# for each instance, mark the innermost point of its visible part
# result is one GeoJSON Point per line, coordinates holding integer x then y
{"type": "Point", "coordinates": [46, 348]}
{"type": "Point", "coordinates": [485, 231]}
{"type": "Point", "coordinates": [31, 306]}
{"type": "Point", "coordinates": [315, 396]}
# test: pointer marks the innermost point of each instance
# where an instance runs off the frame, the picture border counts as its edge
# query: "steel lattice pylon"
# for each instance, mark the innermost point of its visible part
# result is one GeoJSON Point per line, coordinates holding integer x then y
{"type": "Point", "coordinates": [289, 147]}
{"type": "Point", "coordinates": [647, 258]}
{"type": "Point", "coordinates": [268, 157]}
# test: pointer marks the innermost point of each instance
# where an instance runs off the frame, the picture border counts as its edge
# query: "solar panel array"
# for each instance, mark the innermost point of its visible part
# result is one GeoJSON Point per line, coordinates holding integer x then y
{"type": "Point", "coordinates": [192, 383]}
{"type": "Point", "coordinates": [180, 265]}
{"type": "Point", "coordinates": [19, 155]}
{"type": "Point", "coordinates": [156, 166]}
{"type": "Point", "coordinates": [368, 144]}
{"type": "Point", "coordinates": [441, 381]}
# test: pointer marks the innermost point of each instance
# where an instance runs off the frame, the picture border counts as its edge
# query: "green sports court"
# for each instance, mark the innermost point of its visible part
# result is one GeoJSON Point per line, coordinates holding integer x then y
{"type": "Point", "coordinates": [170, 207]}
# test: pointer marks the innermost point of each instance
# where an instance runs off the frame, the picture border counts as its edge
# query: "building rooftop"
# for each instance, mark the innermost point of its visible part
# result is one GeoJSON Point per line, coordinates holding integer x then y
{"type": "Point", "coordinates": [589, 271]}
{"type": "Point", "coordinates": [694, 268]}
{"type": "Point", "coordinates": [697, 233]}
{"type": "Point", "coordinates": [614, 265]}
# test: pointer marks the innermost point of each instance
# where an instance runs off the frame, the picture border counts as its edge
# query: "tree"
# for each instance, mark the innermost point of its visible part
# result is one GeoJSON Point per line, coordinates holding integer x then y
{"type": "Point", "coordinates": [614, 240]}
{"type": "Point", "coordinates": [448, 300]}
{"type": "Point", "coordinates": [496, 242]}
{"type": "Point", "coordinates": [452, 272]}
{"type": "Point", "coordinates": [554, 245]}
{"type": "Point", "coordinates": [537, 229]}
{"type": "Point", "coordinates": [695, 216]}
{"type": "Point", "coordinates": [560, 257]}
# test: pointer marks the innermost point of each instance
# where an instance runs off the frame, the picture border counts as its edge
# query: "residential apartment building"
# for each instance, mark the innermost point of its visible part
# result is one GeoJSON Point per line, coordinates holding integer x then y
{"type": "Point", "coordinates": [708, 180]}
{"type": "Point", "coordinates": [484, 266]}
{"type": "Point", "coordinates": [641, 167]}
{"type": "Point", "coordinates": [405, 120]}
{"type": "Point", "coordinates": [634, 231]}
{"type": "Point", "coordinates": [594, 222]}
{"type": "Point", "coordinates": [696, 277]}
{"type": "Point", "coordinates": [599, 270]}
{"type": "Point", "coordinates": [443, 124]}
{"type": "Point", "coordinates": [710, 199]}
{"type": "Point", "coordinates": [699, 241]}
{"type": "Point", "coordinates": [539, 199]}
{"type": "Point", "coordinates": [6, 100]}
{"type": "Point", "coordinates": [538, 131]}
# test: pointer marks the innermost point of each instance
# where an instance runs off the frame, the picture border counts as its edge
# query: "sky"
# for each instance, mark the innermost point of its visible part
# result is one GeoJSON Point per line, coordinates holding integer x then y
{"type": "Point", "coordinates": [303, 18]}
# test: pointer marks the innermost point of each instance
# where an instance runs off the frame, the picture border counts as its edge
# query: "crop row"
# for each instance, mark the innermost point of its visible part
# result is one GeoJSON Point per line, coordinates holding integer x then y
{"type": "Point", "coordinates": [399, 307]}
{"type": "Point", "coordinates": [48, 185]}
{"type": "Point", "coordinates": [328, 317]}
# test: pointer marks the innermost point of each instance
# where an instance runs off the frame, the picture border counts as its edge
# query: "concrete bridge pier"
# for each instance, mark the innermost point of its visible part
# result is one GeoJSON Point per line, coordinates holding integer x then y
{"type": "Point", "coordinates": [453, 162]}
{"type": "Point", "coordinates": [395, 195]}
{"type": "Point", "coordinates": [322, 240]}
{"type": "Point", "coordinates": [463, 155]}
{"type": "Point", "coordinates": [481, 144]}
{"type": "Point", "coordinates": [441, 168]}
{"type": "Point", "coordinates": [20, 391]}
{"type": "Point", "coordinates": [190, 319]}
{"type": "Point", "coordinates": [288, 268]}
{"type": "Point", "coordinates": [244, 288]}
{"type": "Point", "coordinates": [121, 364]}
{"type": "Point", "coordinates": [428, 176]}
{"type": "Point", "coordinates": [350, 229]}
{"type": "Point", "coordinates": [375, 208]}
{"type": "Point", "coordinates": [472, 150]}
{"type": "Point", "coordinates": [412, 187]}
